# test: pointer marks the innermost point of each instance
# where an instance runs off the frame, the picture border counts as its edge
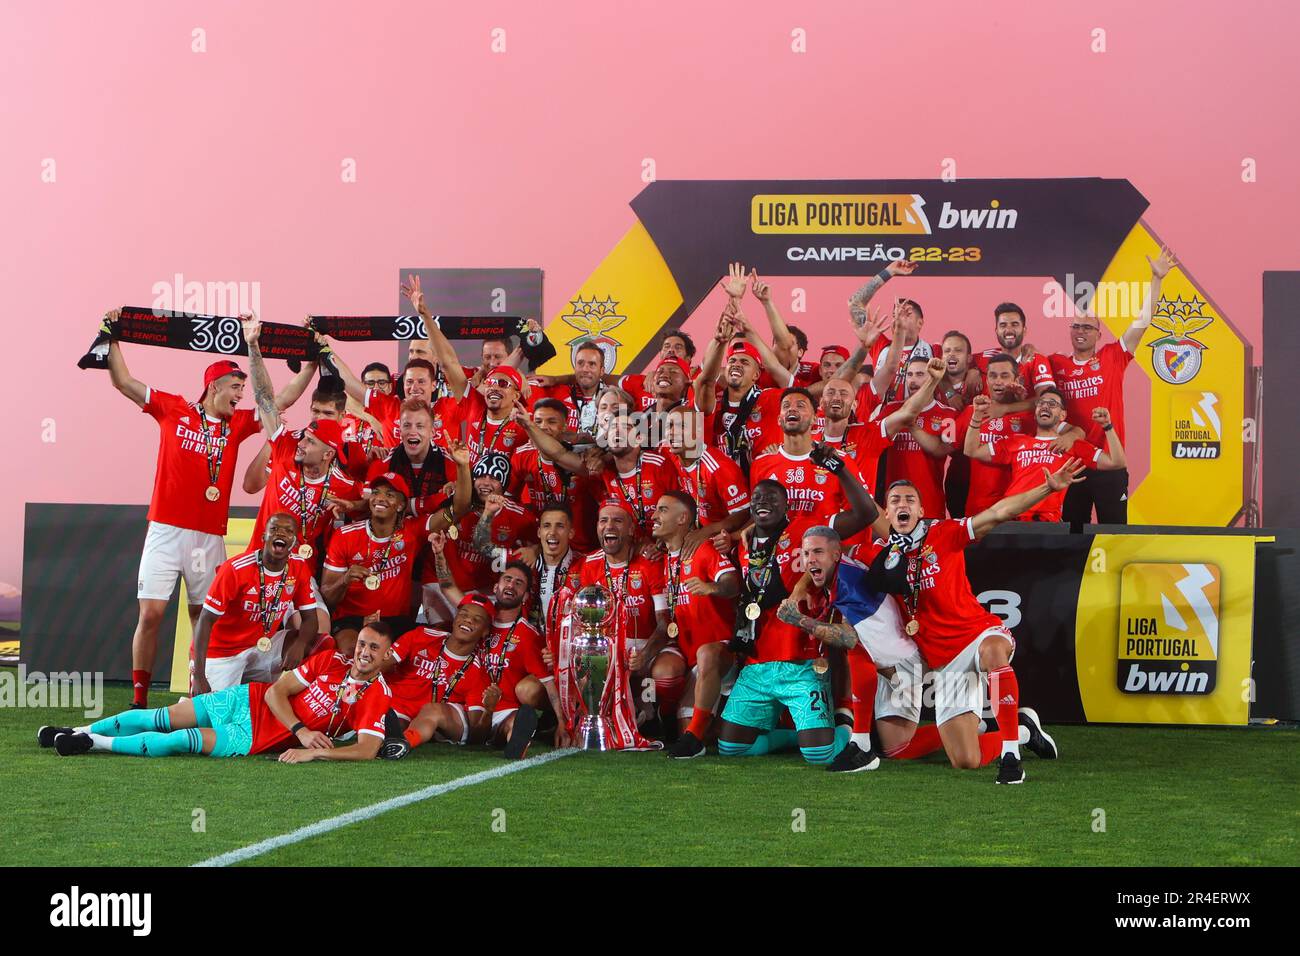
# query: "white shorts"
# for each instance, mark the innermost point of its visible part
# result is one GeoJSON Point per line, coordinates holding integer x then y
{"type": "Point", "coordinates": [499, 716]}
{"type": "Point", "coordinates": [248, 665]}
{"type": "Point", "coordinates": [169, 551]}
{"type": "Point", "coordinates": [686, 710]}
{"type": "Point", "coordinates": [464, 728]}
{"type": "Point", "coordinates": [959, 684]}
{"type": "Point", "coordinates": [901, 695]}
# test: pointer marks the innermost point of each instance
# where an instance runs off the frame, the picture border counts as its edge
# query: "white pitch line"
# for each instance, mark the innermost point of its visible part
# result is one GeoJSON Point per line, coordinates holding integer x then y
{"type": "Point", "coordinates": [375, 809]}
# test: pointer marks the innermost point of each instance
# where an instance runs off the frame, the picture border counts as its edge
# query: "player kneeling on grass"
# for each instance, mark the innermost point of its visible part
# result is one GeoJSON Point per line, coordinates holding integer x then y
{"type": "Point", "coordinates": [957, 637]}
{"type": "Point", "coordinates": [327, 696]}
{"type": "Point", "coordinates": [441, 691]}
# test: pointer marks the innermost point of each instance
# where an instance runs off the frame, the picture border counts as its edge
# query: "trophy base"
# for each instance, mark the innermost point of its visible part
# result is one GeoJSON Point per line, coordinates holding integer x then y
{"type": "Point", "coordinates": [592, 734]}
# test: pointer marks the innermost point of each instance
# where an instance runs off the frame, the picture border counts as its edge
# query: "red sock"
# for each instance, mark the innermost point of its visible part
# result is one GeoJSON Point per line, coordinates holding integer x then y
{"type": "Point", "coordinates": [1004, 691]}
{"type": "Point", "coordinates": [412, 737]}
{"type": "Point", "coordinates": [924, 741]}
{"type": "Point", "coordinates": [701, 719]}
{"type": "Point", "coordinates": [990, 747]}
{"type": "Point", "coordinates": [862, 678]}
{"type": "Point", "coordinates": [140, 684]}
{"type": "Point", "coordinates": [668, 694]}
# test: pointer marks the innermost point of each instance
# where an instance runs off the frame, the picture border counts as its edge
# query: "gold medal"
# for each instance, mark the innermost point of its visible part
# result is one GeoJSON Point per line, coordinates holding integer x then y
{"type": "Point", "coordinates": [264, 644]}
{"type": "Point", "coordinates": [453, 532]}
{"type": "Point", "coordinates": [305, 551]}
{"type": "Point", "coordinates": [821, 665]}
{"type": "Point", "coordinates": [213, 493]}
{"type": "Point", "coordinates": [372, 582]}
{"type": "Point", "coordinates": [673, 629]}
{"type": "Point", "coordinates": [752, 610]}
{"type": "Point", "coordinates": [912, 627]}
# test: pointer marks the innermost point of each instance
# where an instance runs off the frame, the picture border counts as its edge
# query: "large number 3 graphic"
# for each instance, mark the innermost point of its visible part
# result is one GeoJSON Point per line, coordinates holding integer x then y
{"type": "Point", "coordinates": [1005, 604]}
{"type": "Point", "coordinates": [219, 335]}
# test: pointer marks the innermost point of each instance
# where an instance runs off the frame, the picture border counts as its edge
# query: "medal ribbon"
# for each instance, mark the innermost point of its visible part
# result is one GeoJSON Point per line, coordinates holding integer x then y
{"type": "Point", "coordinates": [212, 451]}
{"type": "Point", "coordinates": [265, 613]}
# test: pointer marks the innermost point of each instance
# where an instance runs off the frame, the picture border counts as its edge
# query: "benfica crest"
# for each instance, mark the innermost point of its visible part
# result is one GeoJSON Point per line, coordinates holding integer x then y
{"type": "Point", "coordinates": [634, 578]}
{"type": "Point", "coordinates": [1176, 357]}
{"type": "Point", "coordinates": [595, 318]}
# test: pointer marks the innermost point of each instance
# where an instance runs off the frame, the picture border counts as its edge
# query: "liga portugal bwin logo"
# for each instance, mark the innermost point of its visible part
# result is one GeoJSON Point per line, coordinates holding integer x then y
{"type": "Point", "coordinates": [1168, 628]}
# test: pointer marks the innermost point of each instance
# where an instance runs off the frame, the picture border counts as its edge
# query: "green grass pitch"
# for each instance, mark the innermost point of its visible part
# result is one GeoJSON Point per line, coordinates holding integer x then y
{"type": "Point", "coordinates": [1170, 797]}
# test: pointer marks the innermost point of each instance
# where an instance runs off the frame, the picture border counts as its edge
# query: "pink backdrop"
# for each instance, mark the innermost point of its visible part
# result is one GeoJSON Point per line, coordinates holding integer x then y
{"type": "Point", "coordinates": [225, 165]}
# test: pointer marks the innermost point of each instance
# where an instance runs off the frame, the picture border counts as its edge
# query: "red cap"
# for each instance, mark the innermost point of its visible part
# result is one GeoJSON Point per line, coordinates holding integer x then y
{"type": "Point", "coordinates": [328, 431]}
{"type": "Point", "coordinates": [839, 350]}
{"type": "Point", "coordinates": [219, 370]}
{"type": "Point", "coordinates": [510, 372]}
{"type": "Point", "coordinates": [680, 363]}
{"type": "Point", "coordinates": [393, 480]}
{"type": "Point", "coordinates": [480, 600]}
{"type": "Point", "coordinates": [747, 350]}
{"type": "Point", "coordinates": [621, 504]}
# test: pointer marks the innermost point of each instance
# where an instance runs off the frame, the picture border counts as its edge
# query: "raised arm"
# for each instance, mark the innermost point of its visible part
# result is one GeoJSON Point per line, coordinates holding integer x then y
{"type": "Point", "coordinates": [353, 386]}
{"type": "Point", "coordinates": [287, 396]}
{"type": "Point", "coordinates": [784, 346]}
{"type": "Point", "coordinates": [263, 390]}
{"type": "Point", "coordinates": [1008, 508]}
{"type": "Point", "coordinates": [132, 388]}
{"type": "Point", "coordinates": [452, 371]}
{"type": "Point", "coordinates": [706, 396]}
{"type": "Point", "coordinates": [551, 447]}
{"type": "Point", "coordinates": [1160, 267]}
{"type": "Point", "coordinates": [906, 414]}
{"type": "Point", "coordinates": [780, 374]}
{"type": "Point", "coordinates": [972, 447]}
{"type": "Point", "coordinates": [1113, 458]}
{"type": "Point", "coordinates": [255, 474]}
{"type": "Point", "coordinates": [858, 301]}
{"type": "Point", "coordinates": [862, 508]}
{"type": "Point", "coordinates": [887, 371]}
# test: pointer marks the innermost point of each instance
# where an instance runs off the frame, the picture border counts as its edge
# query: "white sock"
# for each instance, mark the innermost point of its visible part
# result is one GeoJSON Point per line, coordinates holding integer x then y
{"type": "Point", "coordinates": [1010, 747]}
{"type": "Point", "coordinates": [862, 740]}
{"type": "Point", "coordinates": [1024, 735]}
{"type": "Point", "coordinates": [81, 730]}
{"type": "Point", "coordinates": [100, 742]}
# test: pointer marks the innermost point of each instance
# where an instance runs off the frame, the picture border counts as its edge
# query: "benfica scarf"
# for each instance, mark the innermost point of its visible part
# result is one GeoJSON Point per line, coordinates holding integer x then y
{"type": "Point", "coordinates": [733, 439]}
{"type": "Point", "coordinates": [219, 334]}
{"type": "Point", "coordinates": [623, 733]}
{"type": "Point", "coordinates": [370, 328]}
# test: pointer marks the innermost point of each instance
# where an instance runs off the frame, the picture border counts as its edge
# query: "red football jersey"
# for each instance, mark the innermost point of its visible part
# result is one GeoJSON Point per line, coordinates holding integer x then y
{"type": "Point", "coordinates": [988, 482]}
{"type": "Point", "coordinates": [181, 480]}
{"type": "Point", "coordinates": [426, 670]}
{"type": "Point", "coordinates": [777, 640]}
{"type": "Point", "coordinates": [897, 387]}
{"type": "Point", "coordinates": [387, 410]}
{"type": "Point", "coordinates": [582, 408]}
{"type": "Point", "coordinates": [392, 558]}
{"type": "Point", "coordinates": [1094, 383]}
{"type": "Point", "coordinates": [639, 585]}
{"type": "Point", "coordinates": [472, 570]}
{"type": "Point", "coordinates": [643, 486]}
{"type": "Point", "coordinates": [946, 610]}
{"type": "Point", "coordinates": [484, 435]}
{"type": "Point", "coordinates": [717, 484]}
{"type": "Point", "coordinates": [249, 606]}
{"type": "Point", "coordinates": [535, 481]}
{"type": "Point", "coordinates": [1034, 374]}
{"type": "Point", "coordinates": [1027, 456]}
{"type": "Point", "coordinates": [287, 489]}
{"type": "Point", "coordinates": [331, 702]}
{"type": "Point", "coordinates": [866, 402]}
{"type": "Point", "coordinates": [907, 459]}
{"type": "Point", "coordinates": [811, 490]}
{"type": "Point", "coordinates": [700, 620]}
{"type": "Point", "coordinates": [862, 443]}
{"type": "Point", "coordinates": [762, 428]}
{"type": "Point", "coordinates": [362, 432]}
{"type": "Point", "coordinates": [510, 653]}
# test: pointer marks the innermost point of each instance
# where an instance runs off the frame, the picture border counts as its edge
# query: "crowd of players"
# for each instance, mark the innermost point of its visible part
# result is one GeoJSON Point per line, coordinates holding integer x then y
{"type": "Point", "coordinates": [786, 538]}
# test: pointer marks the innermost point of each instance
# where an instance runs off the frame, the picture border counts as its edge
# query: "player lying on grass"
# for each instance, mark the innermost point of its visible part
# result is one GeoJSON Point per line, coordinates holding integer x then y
{"type": "Point", "coordinates": [441, 691]}
{"type": "Point", "coordinates": [324, 698]}
{"type": "Point", "coordinates": [957, 638]}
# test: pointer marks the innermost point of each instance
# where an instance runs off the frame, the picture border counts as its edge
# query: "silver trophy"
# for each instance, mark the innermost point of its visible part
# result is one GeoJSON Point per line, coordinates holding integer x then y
{"type": "Point", "coordinates": [593, 609]}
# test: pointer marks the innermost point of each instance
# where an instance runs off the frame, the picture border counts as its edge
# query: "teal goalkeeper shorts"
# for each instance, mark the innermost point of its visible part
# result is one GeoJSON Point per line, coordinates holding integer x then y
{"type": "Point", "coordinates": [227, 712]}
{"type": "Point", "coordinates": [763, 689]}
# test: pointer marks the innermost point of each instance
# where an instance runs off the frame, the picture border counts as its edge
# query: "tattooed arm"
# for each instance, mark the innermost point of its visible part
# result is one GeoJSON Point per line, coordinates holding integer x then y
{"type": "Point", "coordinates": [263, 391]}
{"type": "Point", "coordinates": [482, 539]}
{"type": "Point", "coordinates": [838, 634]}
{"type": "Point", "coordinates": [858, 301]}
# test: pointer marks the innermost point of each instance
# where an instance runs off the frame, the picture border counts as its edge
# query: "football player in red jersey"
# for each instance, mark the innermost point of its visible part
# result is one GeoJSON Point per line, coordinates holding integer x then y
{"type": "Point", "coordinates": [536, 481]}
{"type": "Point", "coordinates": [957, 637]}
{"type": "Point", "coordinates": [1034, 370]}
{"type": "Point", "coordinates": [907, 331]}
{"type": "Point", "coordinates": [637, 583]}
{"type": "Point", "coordinates": [1026, 454]}
{"type": "Point", "coordinates": [197, 451]}
{"type": "Point", "coordinates": [325, 697]}
{"type": "Point", "coordinates": [1093, 377]}
{"type": "Point", "coordinates": [240, 633]}
{"type": "Point", "coordinates": [576, 392]}
{"type": "Point", "coordinates": [920, 451]}
{"type": "Point", "coordinates": [786, 667]}
{"type": "Point", "coordinates": [719, 487]}
{"type": "Point", "coordinates": [700, 587]}
{"type": "Point", "coordinates": [439, 677]}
